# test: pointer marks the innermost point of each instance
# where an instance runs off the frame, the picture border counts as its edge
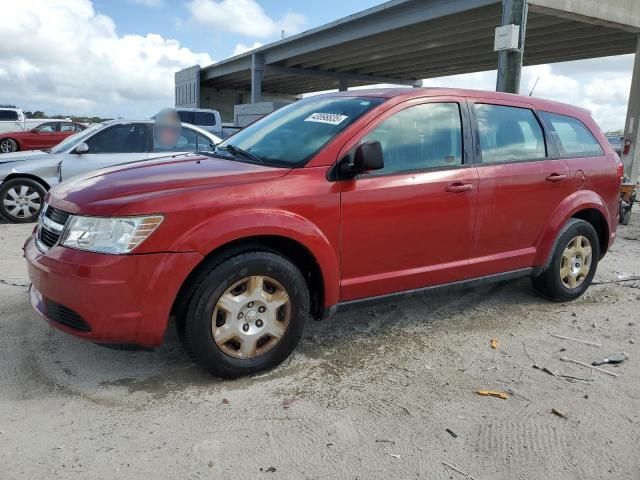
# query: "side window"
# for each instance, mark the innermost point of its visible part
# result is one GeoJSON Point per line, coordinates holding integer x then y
{"type": "Point", "coordinates": [574, 138]}
{"type": "Point", "coordinates": [509, 134]}
{"type": "Point", "coordinates": [420, 137]}
{"type": "Point", "coordinates": [204, 144]}
{"type": "Point", "coordinates": [186, 117]}
{"type": "Point", "coordinates": [78, 127]}
{"type": "Point", "coordinates": [127, 138]}
{"type": "Point", "coordinates": [186, 143]}
{"type": "Point", "coordinates": [67, 127]}
{"type": "Point", "coordinates": [49, 127]}
{"type": "Point", "coordinates": [204, 118]}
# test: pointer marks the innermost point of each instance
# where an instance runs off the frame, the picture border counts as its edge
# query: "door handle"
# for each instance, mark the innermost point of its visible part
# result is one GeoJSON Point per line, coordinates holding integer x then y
{"type": "Point", "coordinates": [556, 177]}
{"type": "Point", "coordinates": [459, 187]}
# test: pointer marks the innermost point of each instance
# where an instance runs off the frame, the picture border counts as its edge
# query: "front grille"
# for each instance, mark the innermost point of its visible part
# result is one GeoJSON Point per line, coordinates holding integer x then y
{"type": "Point", "coordinates": [65, 316]}
{"type": "Point", "coordinates": [50, 228]}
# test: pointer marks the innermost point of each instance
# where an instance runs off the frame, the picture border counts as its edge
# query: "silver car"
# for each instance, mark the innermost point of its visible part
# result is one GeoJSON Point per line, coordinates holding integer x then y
{"type": "Point", "coordinates": [26, 176]}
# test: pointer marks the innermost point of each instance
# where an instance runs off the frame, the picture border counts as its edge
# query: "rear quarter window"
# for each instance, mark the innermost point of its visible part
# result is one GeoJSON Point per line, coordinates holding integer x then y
{"type": "Point", "coordinates": [8, 115]}
{"type": "Point", "coordinates": [573, 137]}
{"type": "Point", "coordinates": [204, 118]}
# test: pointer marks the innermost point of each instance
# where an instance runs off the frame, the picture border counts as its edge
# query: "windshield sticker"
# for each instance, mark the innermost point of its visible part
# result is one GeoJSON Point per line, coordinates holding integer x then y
{"type": "Point", "coordinates": [330, 118]}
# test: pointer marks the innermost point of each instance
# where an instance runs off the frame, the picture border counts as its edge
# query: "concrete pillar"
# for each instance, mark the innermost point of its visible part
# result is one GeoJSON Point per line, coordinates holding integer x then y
{"type": "Point", "coordinates": [257, 74]}
{"type": "Point", "coordinates": [510, 61]}
{"type": "Point", "coordinates": [631, 131]}
{"type": "Point", "coordinates": [343, 85]}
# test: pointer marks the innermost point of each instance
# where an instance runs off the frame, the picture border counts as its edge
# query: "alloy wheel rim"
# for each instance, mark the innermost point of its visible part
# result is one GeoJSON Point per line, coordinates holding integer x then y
{"type": "Point", "coordinates": [251, 317]}
{"type": "Point", "coordinates": [575, 262]}
{"type": "Point", "coordinates": [22, 201]}
{"type": "Point", "coordinates": [6, 147]}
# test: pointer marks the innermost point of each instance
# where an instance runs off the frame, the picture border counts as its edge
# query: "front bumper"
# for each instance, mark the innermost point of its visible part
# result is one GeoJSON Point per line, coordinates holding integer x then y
{"type": "Point", "coordinates": [107, 298]}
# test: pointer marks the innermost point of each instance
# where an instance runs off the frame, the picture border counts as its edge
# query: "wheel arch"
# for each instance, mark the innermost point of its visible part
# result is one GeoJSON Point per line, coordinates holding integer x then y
{"type": "Point", "coordinates": [17, 142]}
{"type": "Point", "coordinates": [30, 176]}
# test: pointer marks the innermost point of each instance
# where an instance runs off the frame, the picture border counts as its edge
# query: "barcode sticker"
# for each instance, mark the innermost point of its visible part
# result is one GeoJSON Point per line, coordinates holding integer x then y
{"type": "Point", "coordinates": [330, 118]}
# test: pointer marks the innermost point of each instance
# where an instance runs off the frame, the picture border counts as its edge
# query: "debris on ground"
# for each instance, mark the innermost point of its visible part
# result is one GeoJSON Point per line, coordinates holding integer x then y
{"type": "Point", "coordinates": [225, 402]}
{"type": "Point", "coordinates": [394, 455]}
{"type": "Point", "coordinates": [451, 432]}
{"type": "Point", "coordinates": [288, 402]}
{"type": "Point", "coordinates": [545, 370]}
{"type": "Point", "coordinates": [268, 470]}
{"type": "Point", "coordinates": [461, 472]}
{"type": "Point", "coordinates": [614, 358]}
{"type": "Point", "coordinates": [558, 413]}
{"type": "Point", "coordinates": [493, 393]}
{"type": "Point", "coordinates": [494, 343]}
{"type": "Point", "coordinates": [593, 344]}
{"type": "Point", "coordinates": [567, 359]}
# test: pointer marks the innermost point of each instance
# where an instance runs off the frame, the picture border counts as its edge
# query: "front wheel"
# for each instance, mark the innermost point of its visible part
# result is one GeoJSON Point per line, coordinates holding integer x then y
{"type": "Point", "coordinates": [8, 145]}
{"type": "Point", "coordinates": [21, 200]}
{"type": "Point", "coordinates": [573, 264]}
{"type": "Point", "coordinates": [246, 315]}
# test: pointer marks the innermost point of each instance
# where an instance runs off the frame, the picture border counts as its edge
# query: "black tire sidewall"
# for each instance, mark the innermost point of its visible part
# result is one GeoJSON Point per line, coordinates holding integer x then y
{"type": "Point", "coordinates": [13, 142]}
{"type": "Point", "coordinates": [550, 283]}
{"type": "Point", "coordinates": [198, 338]}
{"type": "Point", "coordinates": [5, 186]}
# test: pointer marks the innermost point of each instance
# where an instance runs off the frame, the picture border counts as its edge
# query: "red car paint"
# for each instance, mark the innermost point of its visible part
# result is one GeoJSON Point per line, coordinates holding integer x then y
{"type": "Point", "coordinates": [39, 138]}
{"type": "Point", "coordinates": [370, 236]}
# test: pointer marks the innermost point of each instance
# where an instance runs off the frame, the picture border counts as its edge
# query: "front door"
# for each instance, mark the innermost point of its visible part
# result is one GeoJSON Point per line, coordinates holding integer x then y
{"type": "Point", "coordinates": [410, 225]}
{"type": "Point", "coordinates": [115, 145]}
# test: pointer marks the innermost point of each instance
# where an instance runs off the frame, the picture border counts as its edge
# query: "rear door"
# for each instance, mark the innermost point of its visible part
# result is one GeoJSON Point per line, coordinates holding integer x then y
{"type": "Point", "coordinates": [114, 145]}
{"type": "Point", "coordinates": [410, 225]}
{"type": "Point", "coordinates": [522, 181]}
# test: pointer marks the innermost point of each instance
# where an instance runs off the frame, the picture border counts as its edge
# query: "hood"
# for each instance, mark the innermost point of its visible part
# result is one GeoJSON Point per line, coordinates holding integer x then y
{"type": "Point", "coordinates": [102, 192]}
{"type": "Point", "coordinates": [20, 156]}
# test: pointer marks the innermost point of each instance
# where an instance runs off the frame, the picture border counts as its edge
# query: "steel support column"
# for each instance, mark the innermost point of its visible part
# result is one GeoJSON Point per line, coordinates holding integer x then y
{"type": "Point", "coordinates": [514, 12]}
{"type": "Point", "coordinates": [257, 74]}
{"type": "Point", "coordinates": [631, 131]}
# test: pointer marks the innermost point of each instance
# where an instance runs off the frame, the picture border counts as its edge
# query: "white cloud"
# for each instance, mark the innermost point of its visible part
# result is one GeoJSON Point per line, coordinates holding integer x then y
{"type": "Point", "coordinates": [60, 56]}
{"type": "Point", "coordinates": [243, 16]}
{"type": "Point", "coordinates": [241, 48]}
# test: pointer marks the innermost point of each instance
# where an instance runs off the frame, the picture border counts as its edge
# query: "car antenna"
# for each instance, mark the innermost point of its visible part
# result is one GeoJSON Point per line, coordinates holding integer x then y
{"type": "Point", "coordinates": [534, 86]}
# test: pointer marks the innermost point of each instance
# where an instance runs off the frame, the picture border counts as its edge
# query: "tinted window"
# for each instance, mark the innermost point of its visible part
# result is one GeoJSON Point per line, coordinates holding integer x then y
{"type": "Point", "coordinates": [291, 135]}
{"type": "Point", "coordinates": [128, 138]}
{"type": "Point", "coordinates": [420, 137]}
{"type": "Point", "coordinates": [47, 127]}
{"type": "Point", "coordinates": [574, 138]}
{"type": "Point", "coordinates": [186, 117]}
{"type": "Point", "coordinates": [509, 133]}
{"type": "Point", "coordinates": [8, 115]}
{"type": "Point", "coordinates": [204, 118]}
{"type": "Point", "coordinates": [204, 144]}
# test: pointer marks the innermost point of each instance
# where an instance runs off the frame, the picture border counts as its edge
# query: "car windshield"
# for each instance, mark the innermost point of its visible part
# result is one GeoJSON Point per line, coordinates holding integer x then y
{"type": "Point", "coordinates": [289, 137]}
{"type": "Point", "coordinates": [76, 138]}
{"type": "Point", "coordinates": [615, 141]}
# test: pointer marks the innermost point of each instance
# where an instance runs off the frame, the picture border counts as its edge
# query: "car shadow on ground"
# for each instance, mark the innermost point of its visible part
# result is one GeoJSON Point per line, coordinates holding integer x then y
{"type": "Point", "coordinates": [84, 368]}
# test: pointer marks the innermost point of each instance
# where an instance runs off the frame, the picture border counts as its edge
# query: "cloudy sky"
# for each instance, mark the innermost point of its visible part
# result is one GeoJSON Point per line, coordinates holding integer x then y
{"type": "Point", "coordinates": [117, 57]}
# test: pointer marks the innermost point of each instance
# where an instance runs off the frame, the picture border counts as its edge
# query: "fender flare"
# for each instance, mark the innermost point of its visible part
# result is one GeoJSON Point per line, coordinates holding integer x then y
{"type": "Point", "coordinates": [226, 227]}
{"type": "Point", "coordinates": [578, 201]}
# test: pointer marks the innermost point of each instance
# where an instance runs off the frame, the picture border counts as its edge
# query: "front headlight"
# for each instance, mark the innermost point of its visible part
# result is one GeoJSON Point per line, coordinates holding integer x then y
{"type": "Point", "coordinates": [108, 235]}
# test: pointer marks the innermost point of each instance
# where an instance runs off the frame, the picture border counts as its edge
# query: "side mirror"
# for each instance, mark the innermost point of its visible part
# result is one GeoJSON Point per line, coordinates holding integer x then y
{"type": "Point", "coordinates": [368, 156]}
{"type": "Point", "coordinates": [81, 148]}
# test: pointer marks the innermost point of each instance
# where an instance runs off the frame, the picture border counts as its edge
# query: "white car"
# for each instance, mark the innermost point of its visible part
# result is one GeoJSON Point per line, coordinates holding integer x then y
{"type": "Point", "coordinates": [26, 176]}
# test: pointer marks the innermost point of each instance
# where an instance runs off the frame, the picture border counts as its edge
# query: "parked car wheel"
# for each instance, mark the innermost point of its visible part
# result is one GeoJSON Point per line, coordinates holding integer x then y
{"type": "Point", "coordinates": [573, 264]}
{"type": "Point", "coordinates": [21, 200]}
{"type": "Point", "coordinates": [246, 315]}
{"type": "Point", "coordinates": [8, 145]}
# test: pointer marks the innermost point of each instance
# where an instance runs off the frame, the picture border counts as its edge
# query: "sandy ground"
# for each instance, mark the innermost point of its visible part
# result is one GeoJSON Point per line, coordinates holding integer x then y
{"type": "Point", "coordinates": [367, 394]}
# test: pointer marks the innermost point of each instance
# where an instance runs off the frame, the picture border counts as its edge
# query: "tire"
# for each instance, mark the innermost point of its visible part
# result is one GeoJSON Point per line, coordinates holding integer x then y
{"type": "Point", "coordinates": [625, 217]}
{"type": "Point", "coordinates": [8, 145]}
{"type": "Point", "coordinates": [555, 282]}
{"type": "Point", "coordinates": [21, 200]}
{"type": "Point", "coordinates": [238, 341]}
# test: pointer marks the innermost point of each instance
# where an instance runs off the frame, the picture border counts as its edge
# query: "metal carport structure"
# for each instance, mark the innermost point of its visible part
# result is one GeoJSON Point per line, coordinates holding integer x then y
{"type": "Point", "coordinates": [405, 41]}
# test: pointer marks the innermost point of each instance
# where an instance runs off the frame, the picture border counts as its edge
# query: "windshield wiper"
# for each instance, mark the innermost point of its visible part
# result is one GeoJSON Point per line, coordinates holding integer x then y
{"type": "Point", "coordinates": [244, 153]}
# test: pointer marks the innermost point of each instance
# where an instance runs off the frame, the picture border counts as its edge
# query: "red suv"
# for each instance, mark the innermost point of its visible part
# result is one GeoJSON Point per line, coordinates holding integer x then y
{"type": "Point", "coordinates": [332, 200]}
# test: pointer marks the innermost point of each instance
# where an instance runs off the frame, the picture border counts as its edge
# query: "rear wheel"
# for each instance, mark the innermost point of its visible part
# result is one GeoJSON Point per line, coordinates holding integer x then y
{"type": "Point", "coordinates": [8, 145]}
{"type": "Point", "coordinates": [573, 264]}
{"type": "Point", "coordinates": [246, 315]}
{"type": "Point", "coordinates": [21, 200]}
